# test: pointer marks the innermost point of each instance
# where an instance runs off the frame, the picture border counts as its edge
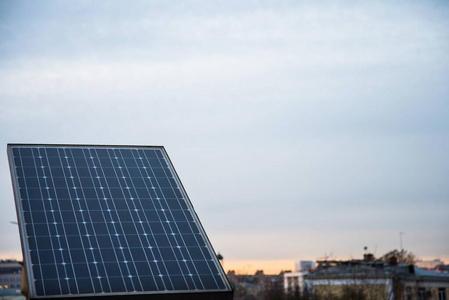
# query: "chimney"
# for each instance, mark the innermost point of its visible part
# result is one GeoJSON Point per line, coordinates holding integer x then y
{"type": "Point", "coordinates": [368, 257]}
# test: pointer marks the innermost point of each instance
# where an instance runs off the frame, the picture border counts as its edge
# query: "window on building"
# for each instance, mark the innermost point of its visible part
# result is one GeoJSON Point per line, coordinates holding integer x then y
{"type": "Point", "coordinates": [441, 294]}
{"type": "Point", "coordinates": [408, 293]}
{"type": "Point", "coordinates": [421, 294]}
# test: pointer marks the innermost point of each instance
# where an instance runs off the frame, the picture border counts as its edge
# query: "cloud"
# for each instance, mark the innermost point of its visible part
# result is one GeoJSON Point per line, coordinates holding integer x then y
{"type": "Point", "coordinates": [288, 117]}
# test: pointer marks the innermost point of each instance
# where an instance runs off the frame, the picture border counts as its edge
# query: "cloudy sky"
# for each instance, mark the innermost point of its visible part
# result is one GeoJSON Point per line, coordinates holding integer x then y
{"type": "Point", "coordinates": [300, 129]}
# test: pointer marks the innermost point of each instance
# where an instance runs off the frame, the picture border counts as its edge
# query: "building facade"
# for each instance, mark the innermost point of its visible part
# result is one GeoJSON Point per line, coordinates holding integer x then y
{"type": "Point", "coordinates": [257, 286]}
{"type": "Point", "coordinates": [10, 277]}
{"type": "Point", "coordinates": [294, 281]}
{"type": "Point", "coordinates": [376, 280]}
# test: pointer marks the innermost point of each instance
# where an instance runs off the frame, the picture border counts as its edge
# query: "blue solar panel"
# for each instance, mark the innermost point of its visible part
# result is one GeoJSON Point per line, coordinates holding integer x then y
{"type": "Point", "coordinates": [109, 220]}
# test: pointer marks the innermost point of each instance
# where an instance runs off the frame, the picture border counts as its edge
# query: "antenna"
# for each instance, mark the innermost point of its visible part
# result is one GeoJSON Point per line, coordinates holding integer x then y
{"type": "Point", "coordinates": [400, 238]}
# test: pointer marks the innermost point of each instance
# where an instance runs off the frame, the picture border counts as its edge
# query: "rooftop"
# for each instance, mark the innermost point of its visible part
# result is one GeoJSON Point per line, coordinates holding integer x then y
{"type": "Point", "coordinates": [372, 269]}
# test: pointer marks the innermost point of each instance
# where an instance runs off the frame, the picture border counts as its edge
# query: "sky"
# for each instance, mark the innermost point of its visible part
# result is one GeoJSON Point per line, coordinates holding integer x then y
{"type": "Point", "coordinates": [300, 129]}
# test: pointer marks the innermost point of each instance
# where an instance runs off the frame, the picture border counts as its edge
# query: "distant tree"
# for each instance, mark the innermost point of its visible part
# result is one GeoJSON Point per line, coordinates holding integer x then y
{"type": "Point", "coordinates": [402, 257]}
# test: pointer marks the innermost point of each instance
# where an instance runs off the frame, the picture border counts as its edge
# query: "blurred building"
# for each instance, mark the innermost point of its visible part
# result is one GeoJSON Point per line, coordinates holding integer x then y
{"type": "Point", "coordinates": [10, 277]}
{"type": "Point", "coordinates": [370, 279]}
{"type": "Point", "coordinates": [294, 281]}
{"type": "Point", "coordinates": [257, 286]}
{"type": "Point", "coordinates": [429, 264]}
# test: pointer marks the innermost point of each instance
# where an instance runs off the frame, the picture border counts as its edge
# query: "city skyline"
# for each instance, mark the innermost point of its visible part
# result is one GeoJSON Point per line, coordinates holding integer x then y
{"type": "Point", "coordinates": [298, 129]}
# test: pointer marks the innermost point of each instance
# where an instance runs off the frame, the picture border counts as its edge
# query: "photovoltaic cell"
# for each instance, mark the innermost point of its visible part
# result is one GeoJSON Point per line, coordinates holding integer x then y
{"type": "Point", "coordinates": [109, 220]}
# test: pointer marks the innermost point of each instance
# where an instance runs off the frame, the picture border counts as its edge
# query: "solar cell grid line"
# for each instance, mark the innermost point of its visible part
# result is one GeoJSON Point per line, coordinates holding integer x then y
{"type": "Point", "coordinates": [65, 278]}
{"type": "Point", "coordinates": [144, 217]}
{"type": "Point", "coordinates": [102, 187]}
{"type": "Point", "coordinates": [124, 269]}
{"type": "Point", "coordinates": [79, 221]}
{"type": "Point", "coordinates": [164, 213]}
{"type": "Point", "coordinates": [94, 270]}
{"type": "Point", "coordinates": [190, 272]}
{"type": "Point", "coordinates": [162, 269]}
{"type": "Point", "coordinates": [190, 225]}
{"type": "Point", "coordinates": [46, 181]}
{"type": "Point", "coordinates": [100, 257]}
{"type": "Point", "coordinates": [128, 172]}
{"type": "Point", "coordinates": [55, 207]}
{"type": "Point", "coordinates": [31, 218]}
{"type": "Point", "coordinates": [109, 221]}
{"type": "Point", "coordinates": [161, 217]}
{"type": "Point", "coordinates": [118, 175]}
{"type": "Point", "coordinates": [62, 161]}
{"type": "Point", "coordinates": [124, 192]}
{"type": "Point", "coordinates": [45, 265]}
{"type": "Point", "coordinates": [116, 231]}
{"type": "Point", "coordinates": [161, 220]}
{"type": "Point", "coordinates": [177, 246]}
{"type": "Point", "coordinates": [97, 258]}
{"type": "Point", "coordinates": [38, 164]}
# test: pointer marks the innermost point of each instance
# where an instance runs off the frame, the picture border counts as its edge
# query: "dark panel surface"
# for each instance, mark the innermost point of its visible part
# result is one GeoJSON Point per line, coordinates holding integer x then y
{"type": "Point", "coordinates": [105, 220]}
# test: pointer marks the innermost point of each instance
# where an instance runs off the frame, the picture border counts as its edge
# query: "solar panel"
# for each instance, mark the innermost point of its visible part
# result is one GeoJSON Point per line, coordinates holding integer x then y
{"type": "Point", "coordinates": [110, 221]}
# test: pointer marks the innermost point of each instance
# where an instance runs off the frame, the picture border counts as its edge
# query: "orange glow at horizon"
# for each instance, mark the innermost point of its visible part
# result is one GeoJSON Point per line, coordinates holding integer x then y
{"type": "Point", "coordinates": [241, 267]}
{"type": "Point", "coordinates": [249, 267]}
{"type": "Point", "coordinates": [11, 255]}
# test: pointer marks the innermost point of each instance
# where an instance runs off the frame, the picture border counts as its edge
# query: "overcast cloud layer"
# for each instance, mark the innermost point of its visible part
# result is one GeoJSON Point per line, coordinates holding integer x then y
{"type": "Point", "coordinates": [298, 129]}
